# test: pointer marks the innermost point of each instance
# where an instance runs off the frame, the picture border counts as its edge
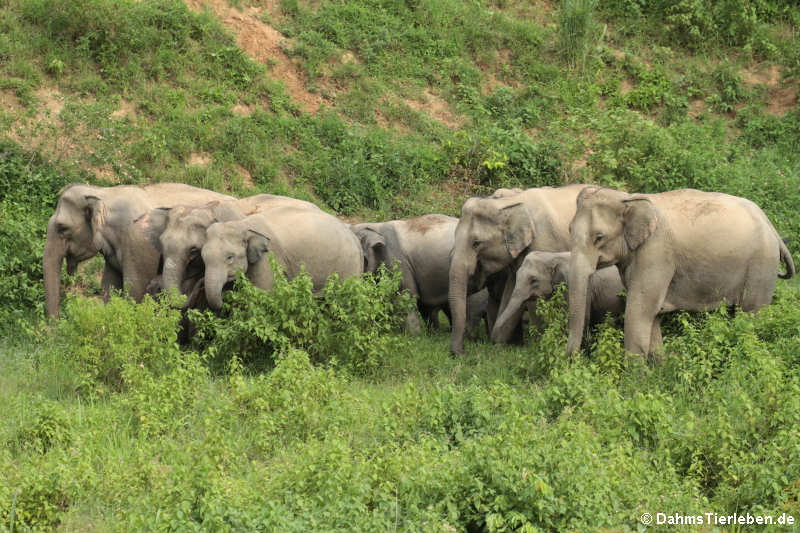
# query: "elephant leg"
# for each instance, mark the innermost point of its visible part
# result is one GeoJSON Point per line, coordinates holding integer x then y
{"type": "Point", "coordinates": [656, 344]}
{"type": "Point", "coordinates": [111, 280]}
{"type": "Point", "coordinates": [412, 319]}
{"type": "Point", "coordinates": [641, 314]}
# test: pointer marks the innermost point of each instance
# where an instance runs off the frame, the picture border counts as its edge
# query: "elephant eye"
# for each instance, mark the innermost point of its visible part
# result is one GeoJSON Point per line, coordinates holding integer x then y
{"type": "Point", "coordinates": [599, 237]}
{"type": "Point", "coordinates": [476, 243]}
{"type": "Point", "coordinates": [229, 258]}
{"type": "Point", "coordinates": [194, 250]}
{"type": "Point", "coordinates": [61, 229]}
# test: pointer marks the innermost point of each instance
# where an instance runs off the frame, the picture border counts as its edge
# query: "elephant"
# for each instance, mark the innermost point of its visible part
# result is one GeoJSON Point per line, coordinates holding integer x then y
{"type": "Point", "coordinates": [179, 232]}
{"type": "Point", "coordinates": [539, 275]}
{"type": "Point", "coordinates": [491, 235]}
{"type": "Point", "coordinates": [89, 220]}
{"type": "Point", "coordinates": [421, 248]}
{"type": "Point", "coordinates": [678, 250]}
{"type": "Point", "coordinates": [296, 236]}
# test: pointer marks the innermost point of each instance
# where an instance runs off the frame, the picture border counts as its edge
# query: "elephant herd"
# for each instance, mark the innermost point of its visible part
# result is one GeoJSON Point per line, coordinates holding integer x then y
{"type": "Point", "coordinates": [684, 249]}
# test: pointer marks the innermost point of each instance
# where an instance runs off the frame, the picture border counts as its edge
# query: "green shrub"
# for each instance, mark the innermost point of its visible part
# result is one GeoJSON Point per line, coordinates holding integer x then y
{"type": "Point", "coordinates": [111, 343]}
{"type": "Point", "coordinates": [46, 425]}
{"type": "Point", "coordinates": [28, 189]}
{"type": "Point", "coordinates": [351, 323]}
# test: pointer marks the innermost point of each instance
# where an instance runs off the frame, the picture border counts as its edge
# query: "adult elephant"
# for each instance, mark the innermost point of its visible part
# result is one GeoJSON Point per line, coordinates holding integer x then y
{"type": "Point", "coordinates": [420, 247]}
{"type": "Point", "coordinates": [89, 220]}
{"type": "Point", "coordinates": [539, 275]}
{"type": "Point", "coordinates": [683, 249]}
{"type": "Point", "coordinates": [297, 236]}
{"type": "Point", "coordinates": [179, 232]}
{"type": "Point", "coordinates": [490, 236]}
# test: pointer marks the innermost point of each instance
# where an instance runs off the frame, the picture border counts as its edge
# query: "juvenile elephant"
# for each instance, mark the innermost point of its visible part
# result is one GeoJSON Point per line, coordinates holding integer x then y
{"type": "Point", "coordinates": [89, 220]}
{"type": "Point", "coordinates": [179, 232]}
{"type": "Point", "coordinates": [297, 236]}
{"type": "Point", "coordinates": [491, 235]}
{"type": "Point", "coordinates": [683, 249]}
{"type": "Point", "coordinates": [421, 249]}
{"type": "Point", "coordinates": [539, 275]}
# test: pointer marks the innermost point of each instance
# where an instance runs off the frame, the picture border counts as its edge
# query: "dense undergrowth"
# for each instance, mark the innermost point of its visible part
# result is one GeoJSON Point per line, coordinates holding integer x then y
{"type": "Point", "coordinates": [294, 414]}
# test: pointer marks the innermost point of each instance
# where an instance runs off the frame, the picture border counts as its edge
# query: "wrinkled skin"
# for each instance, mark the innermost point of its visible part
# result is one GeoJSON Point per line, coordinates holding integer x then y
{"type": "Point", "coordinates": [678, 250]}
{"type": "Point", "coordinates": [420, 247]}
{"type": "Point", "coordinates": [89, 220]}
{"type": "Point", "coordinates": [296, 236]}
{"type": "Point", "coordinates": [179, 233]}
{"type": "Point", "coordinates": [539, 275]}
{"type": "Point", "coordinates": [491, 235]}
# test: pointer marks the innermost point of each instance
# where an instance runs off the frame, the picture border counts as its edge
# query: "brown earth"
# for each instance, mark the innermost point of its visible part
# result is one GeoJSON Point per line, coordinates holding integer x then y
{"type": "Point", "coordinates": [781, 98]}
{"type": "Point", "coordinates": [263, 43]}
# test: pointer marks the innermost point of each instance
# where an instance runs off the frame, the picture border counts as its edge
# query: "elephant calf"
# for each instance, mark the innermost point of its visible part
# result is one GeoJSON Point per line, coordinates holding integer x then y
{"type": "Point", "coordinates": [539, 275]}
{"type": "Point", "coordinates": [420, 247]}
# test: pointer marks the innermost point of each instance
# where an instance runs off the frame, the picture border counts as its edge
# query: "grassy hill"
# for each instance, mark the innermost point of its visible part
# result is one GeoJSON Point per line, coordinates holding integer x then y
{"type": "Point", "coordinates": [374, 110]}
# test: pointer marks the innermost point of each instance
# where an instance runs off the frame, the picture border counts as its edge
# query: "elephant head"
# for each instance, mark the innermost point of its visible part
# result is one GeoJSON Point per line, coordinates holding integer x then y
{"type": "Point", "coordinates": [74, 233]}
{"type": "Point", "coordinates": [608, 226]}
{"type": "Point", "coordinates": [179, 233]}
{"type": "Point", "coordinates": [373, 244]}
{"type": "Point", "coordinates": [229, 248]}
{"type": "Point", "coordinates": [537, 277]}
{"type": "Point", "coordinates": [490, 235]}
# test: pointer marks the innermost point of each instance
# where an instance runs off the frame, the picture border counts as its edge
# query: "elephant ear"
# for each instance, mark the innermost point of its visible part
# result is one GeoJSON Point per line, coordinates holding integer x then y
{"type": "Point", "coordinates": [586, 192]}
{"type": "Point", "coordinates": [560, 272]}
{"type": "Point", "coordinates": [257, 245]}
{"type": "Point", "coordinates": [517, 228]}
{"type": "Point", "coordinates": [640, 221]}
{"type": "Point", "coordinates": [96, 215]}
{"type": "Point", "coordinates": [153, 224]}
{"type": "Point", "coordinates": [371, 239]}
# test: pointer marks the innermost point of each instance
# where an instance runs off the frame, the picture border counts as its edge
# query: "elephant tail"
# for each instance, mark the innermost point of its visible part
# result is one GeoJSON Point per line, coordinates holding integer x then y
{"type": "Point", "coordinates": [786, 259]}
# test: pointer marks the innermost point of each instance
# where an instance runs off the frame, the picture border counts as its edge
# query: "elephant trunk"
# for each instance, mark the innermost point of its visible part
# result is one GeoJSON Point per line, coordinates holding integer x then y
{"type": "Point", "coordinates": [508, 319]}
{"type": "Point", "coordinates": [581, 267]}
{"type": "Point", "coordinates": [55, 249]}
{"type": "Point", "coordinates": [214, 284]}
{"type": "Point", "coordinates": [457, 298]}
{"type": "Point", "coordinates": [172, 275]}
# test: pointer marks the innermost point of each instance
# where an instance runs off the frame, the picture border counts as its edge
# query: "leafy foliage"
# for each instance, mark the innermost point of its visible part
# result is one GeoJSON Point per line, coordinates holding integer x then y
{"type": "Point", "coordinates": [351, 322]}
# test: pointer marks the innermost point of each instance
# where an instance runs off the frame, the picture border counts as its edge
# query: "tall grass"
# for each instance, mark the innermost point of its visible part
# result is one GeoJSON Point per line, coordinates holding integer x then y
{"type": "Point", "coordinates": [578, 31]}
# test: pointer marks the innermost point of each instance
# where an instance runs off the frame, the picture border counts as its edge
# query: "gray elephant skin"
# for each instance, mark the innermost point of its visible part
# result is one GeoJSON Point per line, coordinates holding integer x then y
{"type": "Point", "coordinates": [296, 236]}
{"type": "Point", "coordinates": [179, 232]}
{"type": "Point", "coordinates": [539, 275]}
{"type": "Point", "coordinates": [491, 235]}
{"type": "Point", "coordinates": [677, 250]}
{"type": "Point", "coordinates": [89, 220]}
{"type": "Point", "coordinates": [420, 247]}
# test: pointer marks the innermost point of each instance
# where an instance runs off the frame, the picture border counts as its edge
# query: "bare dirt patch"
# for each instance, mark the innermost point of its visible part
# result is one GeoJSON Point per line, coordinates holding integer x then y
{"type": "Point", "coordinates": [201, 159]}
{"type": "Point", "coordinates": [625, 86]}
{"type": "Point", "coordinates": [52, 101]}
{"type": "Point", "coordinates": [126, 110]}
{"type": "Point", "coordinates": [9, 103]}
{"type": "Point", "coordinates": [243, 110]}
{"type": "Point", "coordinates": [696, 107]}
{"type": "Point", "coordinates": [436, 107]}
{"type": "Point", "coordinates": [245, 176]}
{"type": "Point", "coordinates": [263, 43]}
{"type": "Point", "coordinates": [781, 98]}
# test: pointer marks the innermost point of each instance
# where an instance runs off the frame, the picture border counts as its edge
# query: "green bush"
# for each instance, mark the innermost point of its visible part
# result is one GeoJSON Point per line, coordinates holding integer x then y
{"type": "Point", "coordinates": [111, 343]}
{"type": "Point", "coordinates": [28, 189]}
{"type": "Point", "coordinates": [351, 323]}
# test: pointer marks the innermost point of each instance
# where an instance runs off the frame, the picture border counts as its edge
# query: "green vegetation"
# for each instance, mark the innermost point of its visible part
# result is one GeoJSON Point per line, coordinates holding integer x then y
{"type": "Point", "coordinates": [289, 413]}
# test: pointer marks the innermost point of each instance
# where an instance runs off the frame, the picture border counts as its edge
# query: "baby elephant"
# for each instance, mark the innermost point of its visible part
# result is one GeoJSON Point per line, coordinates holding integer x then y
{"type": "Point", "coordinates": [538, 277]}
